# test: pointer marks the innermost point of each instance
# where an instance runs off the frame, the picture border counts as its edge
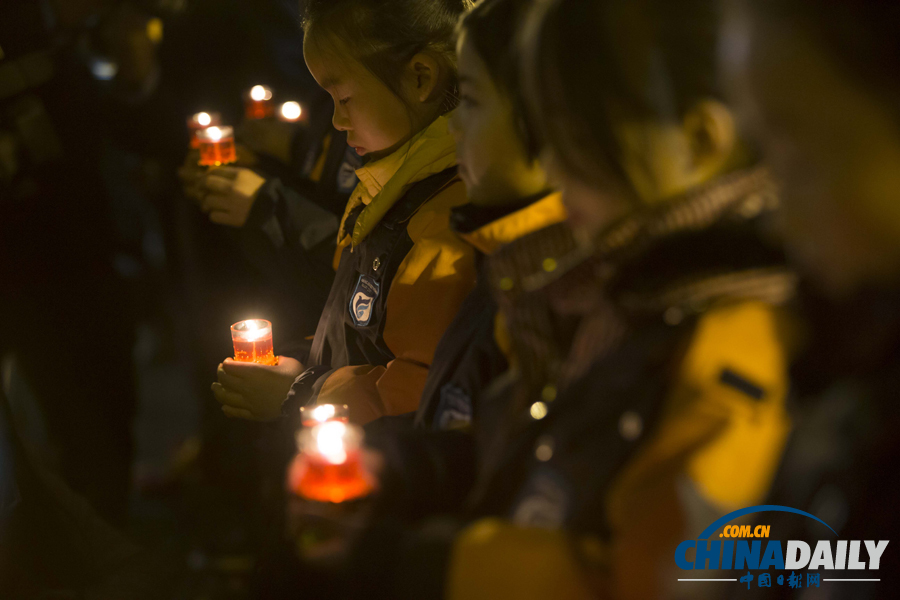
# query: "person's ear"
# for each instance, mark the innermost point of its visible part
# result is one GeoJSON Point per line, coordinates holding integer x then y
{"type": "Point", "coordinates": [711, 131]}
{"type": "Point", "coordinates": [425, 77]}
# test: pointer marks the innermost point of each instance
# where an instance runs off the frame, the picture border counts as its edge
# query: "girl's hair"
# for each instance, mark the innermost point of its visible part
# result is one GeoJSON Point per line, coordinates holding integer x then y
{"type": "Point", "coordinates": [590, 65]}
{"type": "Point", "coordinates": [384, 35]}
{"type": "Point", "coordinates": [491, 28]}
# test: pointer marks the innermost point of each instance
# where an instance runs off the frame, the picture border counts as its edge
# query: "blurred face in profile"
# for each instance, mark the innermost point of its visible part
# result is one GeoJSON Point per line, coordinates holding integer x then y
{"type": "Point", "coordinates": [493, 161]}
{"type": "Point", "coordinates": [834, 144]}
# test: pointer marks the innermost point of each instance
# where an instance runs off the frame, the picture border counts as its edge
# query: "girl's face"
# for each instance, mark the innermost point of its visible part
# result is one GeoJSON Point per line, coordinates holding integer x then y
{"type": "Point", "coordinates": [377, 122]}
{"type": "Point", "coordinates": [493, 162]}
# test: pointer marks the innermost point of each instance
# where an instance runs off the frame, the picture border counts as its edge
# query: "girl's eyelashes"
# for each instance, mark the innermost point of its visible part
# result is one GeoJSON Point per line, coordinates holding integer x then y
{"type": "Point", "coordinates": [344, 101]}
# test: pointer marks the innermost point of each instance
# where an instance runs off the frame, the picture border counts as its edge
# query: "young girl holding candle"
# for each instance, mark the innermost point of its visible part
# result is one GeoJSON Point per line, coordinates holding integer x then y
{"type": "Point", "coordinates": [389, 66]}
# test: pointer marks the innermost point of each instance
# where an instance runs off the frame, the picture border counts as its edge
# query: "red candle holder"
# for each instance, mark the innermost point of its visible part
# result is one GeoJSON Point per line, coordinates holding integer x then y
{"type": "Point", "coordinates": [290, 112]}
{"type": "Point", "coordinates": [199, 121]}
{"type": "Point", "coordinates": [310, 416]}
{"type": "Point", "coordinates": [216, 146]}
{"type": "Point", "coordinates": [328, 467]}
{"type": "Point", "coordinates": [253, 342]}
{"type": "Point", "coordinates": [259, 103]}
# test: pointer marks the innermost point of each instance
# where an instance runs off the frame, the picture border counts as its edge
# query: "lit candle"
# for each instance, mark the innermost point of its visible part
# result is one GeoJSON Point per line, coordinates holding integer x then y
{"type": "Point", "coordinates": [199, 121]}
{"type": "Point", "coordinates": [290, 112]}
{"type": "Point", "coordinates": [216, 146]}
{"type": "Point", "coordinates": [259, 103]}
{"type": "Point", "coordinates": [310, 416]}
{"type": "Point", "coordinates": [328, 467]}
{"type": "Point", "coordinates": [253, 342]}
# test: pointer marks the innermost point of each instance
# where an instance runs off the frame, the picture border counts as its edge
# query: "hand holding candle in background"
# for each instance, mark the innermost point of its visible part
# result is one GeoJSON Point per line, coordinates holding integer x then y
{"type": "Point", "coordinates": [227, 194]}
{"type": "Point", "coordinates": [253, 391]}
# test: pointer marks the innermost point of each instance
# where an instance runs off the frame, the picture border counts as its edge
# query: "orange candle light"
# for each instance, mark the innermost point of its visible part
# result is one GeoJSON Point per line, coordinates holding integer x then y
{"type": "Point", "coordinates": [199, 121]}
{"type": "Point", "coordinates": [328, 467]}
{"type": "Point", "coordinates": [259, 103]}
{"type": "Point", "coordinates": [290, 112]}
{"type": "Point", "coordinates": [253, 342]}
{"type": "Point", "coordinates": [216, 146]}
{"type": "Point", "coordinates": [310, 416]}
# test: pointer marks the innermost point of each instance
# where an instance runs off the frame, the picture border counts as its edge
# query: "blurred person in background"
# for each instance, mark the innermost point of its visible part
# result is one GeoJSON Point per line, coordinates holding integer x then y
{"type": "Point", "coordinates": [817, 82]}
{"type": "Point", "coordinates": [53, 544]}
{"type": "Point", "coordinates": [73, 330]}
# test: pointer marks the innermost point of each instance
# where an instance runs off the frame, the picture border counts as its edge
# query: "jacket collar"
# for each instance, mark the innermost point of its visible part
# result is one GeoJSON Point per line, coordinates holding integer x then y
{"type": "Point", "coordinates": [498, 228]}
{"type": "Point", "coordinates": [384, 181]}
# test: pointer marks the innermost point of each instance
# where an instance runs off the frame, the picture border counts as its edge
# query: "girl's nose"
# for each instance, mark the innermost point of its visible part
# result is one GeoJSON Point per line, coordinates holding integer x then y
{"type": "Point", "coordinates": [340, 120]}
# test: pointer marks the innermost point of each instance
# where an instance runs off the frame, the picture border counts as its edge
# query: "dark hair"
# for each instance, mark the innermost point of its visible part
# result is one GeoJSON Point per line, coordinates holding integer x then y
{"type": "Point", "coordinates": [588, 65]}
{"type": "Point", "coordinates": [491, 27]}
{"type": "Point", "coordinates": [862, 36]}
{"type": "Point", "coordinates": [385, 34]}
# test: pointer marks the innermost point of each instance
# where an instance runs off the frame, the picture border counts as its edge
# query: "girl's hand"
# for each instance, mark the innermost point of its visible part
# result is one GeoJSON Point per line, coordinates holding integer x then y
{"type": "Point", "coordinates": [253, 391]}
{"type": "Point", "coordinates": [227, 194]}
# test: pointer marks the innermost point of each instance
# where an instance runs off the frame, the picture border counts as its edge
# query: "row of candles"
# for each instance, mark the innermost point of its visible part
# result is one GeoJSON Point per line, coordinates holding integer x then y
{"type": "Point", "coordinates": [216, 141]}
{"type": "Point", "coordinates": [328, 466]}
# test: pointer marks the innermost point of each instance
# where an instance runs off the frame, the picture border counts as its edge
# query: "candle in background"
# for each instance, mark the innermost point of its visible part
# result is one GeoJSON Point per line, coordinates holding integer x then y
{"type": "Point", "coordinates": [290, 112]}
{"type": "Point", "coordinates": [199, 121]}
{"type": "Point", "coordinates": [259, 103]}
{"type": "Point", "coordinates": [253, 342]}
{"type": "Point", "coordinates": [328, 467]}
{"type": "Point", "coordinates": [310, 416]}
{"type": "Point", "coordinates": [216, 146]}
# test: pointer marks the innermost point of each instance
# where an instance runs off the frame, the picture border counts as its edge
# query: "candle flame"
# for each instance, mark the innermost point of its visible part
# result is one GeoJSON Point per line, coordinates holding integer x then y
{"type": "Point", "coordinates": [214, 133]}
{"type": "Point", "coordinates": [252, 330]}
{"type": "Point", "coordinates": [203, 119]}
{"type": "Point", "coordinates": [291, 110]}
{"type": "Point", "coordinates": [330, 442]}
{"type": "Point", "coordinates": [323, 412]}
{"type": "Point", "coordinates": [260, 92]}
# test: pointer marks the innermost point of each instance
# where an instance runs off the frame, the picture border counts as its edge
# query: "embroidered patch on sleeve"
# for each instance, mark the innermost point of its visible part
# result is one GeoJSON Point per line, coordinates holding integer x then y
{"type": "Point", "coordinates": [362, 301]}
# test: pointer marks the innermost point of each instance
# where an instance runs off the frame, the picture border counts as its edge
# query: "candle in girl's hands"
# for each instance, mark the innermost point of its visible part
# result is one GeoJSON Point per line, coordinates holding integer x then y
{"type": "Point", "coordinates": [253, 342]}
{"type": "Point", "coordinates": [199, 121]}
{"type": "Point", "coordinates": [216, 146]}
{"type": "Point", "coordinates": [328, 467]}
{"type": "Point", "coordinates": [259, 103]}
{"type": "Point", "coordinates": [310, 416]}
{"type": "Point", "coordinates": [290, 112]}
